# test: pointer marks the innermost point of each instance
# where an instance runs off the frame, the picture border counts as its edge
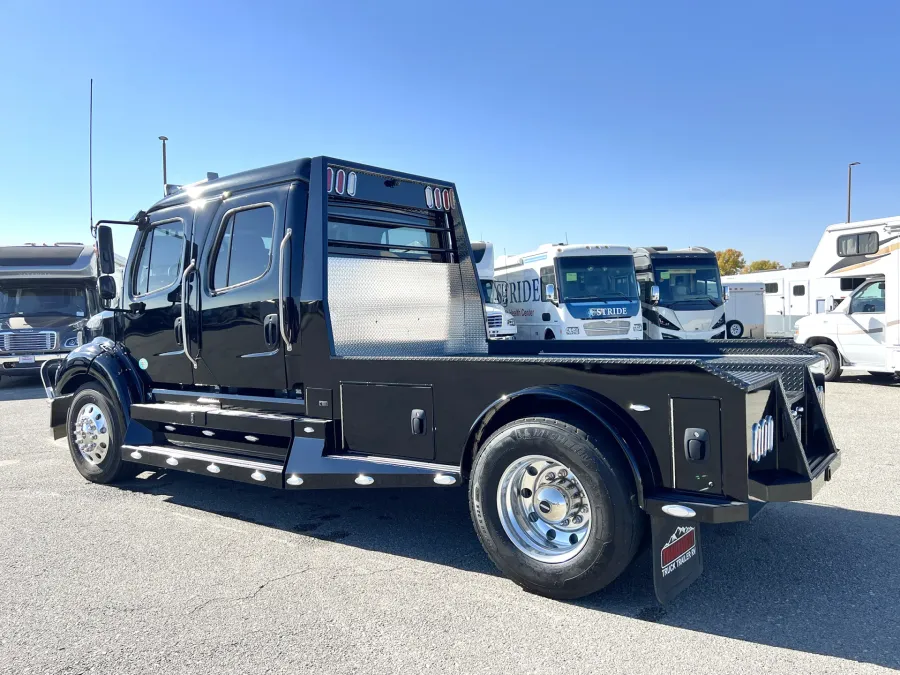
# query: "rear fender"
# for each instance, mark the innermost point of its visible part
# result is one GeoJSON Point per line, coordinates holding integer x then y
{"type": "Point", "coordinates": [626, 433]}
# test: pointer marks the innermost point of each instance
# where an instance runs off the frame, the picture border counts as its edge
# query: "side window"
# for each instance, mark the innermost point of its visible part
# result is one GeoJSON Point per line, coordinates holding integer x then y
{"type": "Point", "coordinates": [864, 243]}
{"type": "Point", "coordinates": [244, 247]}
{"type": "Point", "coordinates": [548, 276]}
{"type": "Point", "coordinates": [869, 299]}
{"type": "Point", "coordinates": [799, 290]}
{"type": "Point", "coordinates": [159, 262]}
{"type": "Point", "coordinates": [772, 288]}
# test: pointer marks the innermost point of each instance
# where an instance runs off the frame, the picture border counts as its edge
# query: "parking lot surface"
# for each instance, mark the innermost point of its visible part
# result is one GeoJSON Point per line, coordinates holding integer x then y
{"type": "Point", "coordinates": [173, 573]}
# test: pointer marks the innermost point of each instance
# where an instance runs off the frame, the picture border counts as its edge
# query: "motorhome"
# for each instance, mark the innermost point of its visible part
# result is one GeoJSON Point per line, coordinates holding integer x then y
{"type": "Point", "coordinates": [681, 293]}
{"type": "Point", "coordinates": [745, 312]}
{"type": "Point", "coordinates": [572, 292]}
{"type": "Point", "coordinates": [863, 330]}
{"type": "Point", "coordinates": [824, 282]}
{"type": "Point", "coordinates": [500, 323]}
{"type": "Point", "coordinates": [47, 294]}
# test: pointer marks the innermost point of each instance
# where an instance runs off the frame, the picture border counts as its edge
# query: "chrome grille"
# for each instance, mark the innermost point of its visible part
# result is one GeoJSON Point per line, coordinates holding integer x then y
{"type": "Point", "coordinates": [495, 320]}
{"type": "Point", "coordinates": [603, 328]}
{"type": "Point", "coordinates": [28, 342]}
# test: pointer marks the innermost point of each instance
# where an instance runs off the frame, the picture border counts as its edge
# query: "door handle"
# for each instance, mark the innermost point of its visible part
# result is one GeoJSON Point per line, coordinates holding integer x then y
{"type": "Point", "coordinates": [178, 333]}
{"type": "Point", "coordinates": [270, 330]}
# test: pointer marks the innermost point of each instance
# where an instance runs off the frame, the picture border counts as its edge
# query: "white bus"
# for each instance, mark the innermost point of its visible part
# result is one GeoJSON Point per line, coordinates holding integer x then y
{"type": "Point", "coordinates": [572, 292]}
{"type": "Point", "coordinates": [500, 324]}
{"type": "Point", "coordinates": [863, 330]}
{"type": "Point", "coordinates": [681, 292]}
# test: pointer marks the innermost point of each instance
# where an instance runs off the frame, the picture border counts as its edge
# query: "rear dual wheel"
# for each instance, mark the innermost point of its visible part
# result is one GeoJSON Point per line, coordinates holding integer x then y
{"type": "Point", "coordinates": [555, 507]}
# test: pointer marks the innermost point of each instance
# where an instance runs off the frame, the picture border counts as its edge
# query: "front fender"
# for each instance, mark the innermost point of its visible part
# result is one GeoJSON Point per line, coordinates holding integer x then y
{"type": "Point", "coordinates": [624, 431]}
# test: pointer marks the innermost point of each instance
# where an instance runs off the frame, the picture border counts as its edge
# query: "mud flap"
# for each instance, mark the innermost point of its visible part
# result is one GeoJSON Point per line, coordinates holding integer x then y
{"type": "Point", "coordinates": [677, 557]}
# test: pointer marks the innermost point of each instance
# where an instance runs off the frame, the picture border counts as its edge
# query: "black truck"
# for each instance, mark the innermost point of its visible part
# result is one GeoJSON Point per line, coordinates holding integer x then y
{"type": "Point", "coordinates": [318, 324]}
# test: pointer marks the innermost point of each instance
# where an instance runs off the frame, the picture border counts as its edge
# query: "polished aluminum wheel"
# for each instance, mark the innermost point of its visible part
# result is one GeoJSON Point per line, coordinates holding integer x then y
{"type": "Point", "coordinates": [91, 433]}
{"type": "Point", "coordinates": [544, 509]}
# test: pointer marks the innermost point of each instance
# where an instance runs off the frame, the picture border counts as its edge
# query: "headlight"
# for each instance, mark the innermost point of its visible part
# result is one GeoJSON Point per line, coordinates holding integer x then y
{"type": "Point", "coordinates": [665, 323]}
{"type": "Point", "coordinates": [720, 322]}
{"type": "Point", "coordinates": [71, 343]}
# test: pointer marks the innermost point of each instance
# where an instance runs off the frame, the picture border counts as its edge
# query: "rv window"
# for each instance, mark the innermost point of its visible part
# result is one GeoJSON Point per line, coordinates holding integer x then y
{"type": "Point", "coordinates": [851, 283]}
{"type": "Point", "coordinates": [864, 243]}
{"type": "Point", "coordinates": [159, 262]}
{"type": "Point", "coordinates": [548, 276]}
{"type": "Point", "coordinates": [799, 290]}
{"type": "Point", "coordinates": [772, 288]}
{"type": "Point", "coordinates": [244, 249]}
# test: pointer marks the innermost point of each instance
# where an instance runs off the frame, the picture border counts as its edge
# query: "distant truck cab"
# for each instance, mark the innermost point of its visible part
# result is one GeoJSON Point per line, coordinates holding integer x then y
{"type": "Point", "coordinates": [319, 324]}
{"type": "Point", "coordinates": [681, 293]}
{"type": "Point", "coordinates": [47, 294]}
{"type": "Point", "coordinates": [500, 323]}
{"type": "Point", "coordinates": [572, 292]}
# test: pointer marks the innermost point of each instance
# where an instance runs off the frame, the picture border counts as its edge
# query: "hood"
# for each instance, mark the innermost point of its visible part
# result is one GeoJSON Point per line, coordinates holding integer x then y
{"type": "Point", "coordinates": [41, 322]}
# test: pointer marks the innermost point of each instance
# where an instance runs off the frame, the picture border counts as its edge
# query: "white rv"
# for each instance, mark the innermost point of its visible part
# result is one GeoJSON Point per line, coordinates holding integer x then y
{"type": "Point", "coordinates": [863, 330]}
{"type": "Point", "coordinates": [500, 324]}
{"type": "Point", "coordinates": [681, 293]}
{"type": "Point", "coordinates": [817, 286]}
{"type": "Point", "coordinates": [745, 312]}
{"type": "Point", "coordinates": [572, 292]}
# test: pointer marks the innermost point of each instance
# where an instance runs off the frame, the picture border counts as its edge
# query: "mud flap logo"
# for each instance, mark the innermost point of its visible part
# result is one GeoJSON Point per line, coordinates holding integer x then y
{"type": "Point", "coordinates": [681, 547]}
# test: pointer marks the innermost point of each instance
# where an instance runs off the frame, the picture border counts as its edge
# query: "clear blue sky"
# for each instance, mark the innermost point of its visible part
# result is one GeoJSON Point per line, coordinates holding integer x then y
{"type": "Point", "coordinates": [711, 123]}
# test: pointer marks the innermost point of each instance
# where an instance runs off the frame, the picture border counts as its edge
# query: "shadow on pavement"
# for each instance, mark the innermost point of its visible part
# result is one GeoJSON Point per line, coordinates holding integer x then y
{"type": "Point", "coordinates": [800, 576]}
{"type": "Point", "coordinates": [20, 388]}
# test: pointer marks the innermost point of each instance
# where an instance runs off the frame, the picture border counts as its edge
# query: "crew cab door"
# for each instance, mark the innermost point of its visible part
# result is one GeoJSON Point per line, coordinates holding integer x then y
{"type": "Point", "coordinates": [240, 341]}
{"type": "Point", "coordinates": [152, 287]}
{"type": "Point", "coordinates": [861, 331]}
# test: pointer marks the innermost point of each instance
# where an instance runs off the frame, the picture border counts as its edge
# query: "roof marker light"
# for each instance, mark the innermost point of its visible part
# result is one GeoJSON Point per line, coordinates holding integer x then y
{"type": "Point", "coordinates": [351, 183]}
{"type": "Point", "coordinates": [329, 179]}
{"type": "Point", "coordinates": [429, 198]}
{"type": "Point", "coordinates": [339, 181]}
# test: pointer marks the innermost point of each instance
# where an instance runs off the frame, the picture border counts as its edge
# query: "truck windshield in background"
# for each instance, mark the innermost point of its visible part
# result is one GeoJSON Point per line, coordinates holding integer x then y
{"type": "Point", "coordinates": [32, 300]}
{"type": "Point", "coordinates": [688, 285]}
{"type": "Point", "coordinates": [596, 278]}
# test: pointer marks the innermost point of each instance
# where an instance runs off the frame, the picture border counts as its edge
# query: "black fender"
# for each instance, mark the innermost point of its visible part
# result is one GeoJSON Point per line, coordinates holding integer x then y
{"type": "Point", "coordinates": [619, 425]}
{"type": "Point", "coordinates": [105, 362]}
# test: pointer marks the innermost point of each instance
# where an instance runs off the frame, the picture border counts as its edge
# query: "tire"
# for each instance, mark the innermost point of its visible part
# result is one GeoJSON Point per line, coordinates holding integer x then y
{"type": "Point", "coordinates": [616, 524]}
{"type": "Point", "coordinates": [832, 367]}
{"type": "Point", "coordinates": [92, 406]}
{"type": "Point", "coordinates": [735, 329]}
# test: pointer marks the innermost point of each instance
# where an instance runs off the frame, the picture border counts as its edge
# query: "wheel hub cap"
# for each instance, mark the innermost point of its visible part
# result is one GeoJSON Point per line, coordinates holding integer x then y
{"type": "Point", "coordinates": [91, 433]}
{"type": "Point", "coordinates": [544, 509]}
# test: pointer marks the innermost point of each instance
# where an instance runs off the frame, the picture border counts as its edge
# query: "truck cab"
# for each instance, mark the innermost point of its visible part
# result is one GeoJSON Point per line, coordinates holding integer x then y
{"type": "Point", "coordinates": [681, 293]}
{"type": "Point", "coordinates": [47, 294]}
{"type": "Point", "coordinates": [319, 324]}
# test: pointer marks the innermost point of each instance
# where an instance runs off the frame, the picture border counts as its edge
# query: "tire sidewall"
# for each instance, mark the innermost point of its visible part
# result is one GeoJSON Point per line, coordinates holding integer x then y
{"type": "Point", "coordinates": [609, 534]}
{"type": "Point", "coordinates": [108, 469]}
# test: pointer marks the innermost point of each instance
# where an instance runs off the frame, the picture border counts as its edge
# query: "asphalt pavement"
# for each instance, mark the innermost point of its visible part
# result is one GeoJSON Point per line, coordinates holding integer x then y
{"type": "Point", "coordinates": [172, 573]}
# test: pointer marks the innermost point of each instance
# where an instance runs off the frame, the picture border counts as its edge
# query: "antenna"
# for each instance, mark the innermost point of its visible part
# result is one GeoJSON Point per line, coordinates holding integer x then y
{"type": "Point", "coordinates": [165, 181]}
{"type": "Point", "coordinates": [91, 155]}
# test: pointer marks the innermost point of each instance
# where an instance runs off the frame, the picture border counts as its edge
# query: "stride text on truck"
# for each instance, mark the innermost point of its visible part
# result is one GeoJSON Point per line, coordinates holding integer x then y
{"type": "Point", "coordinates": [246, 347]}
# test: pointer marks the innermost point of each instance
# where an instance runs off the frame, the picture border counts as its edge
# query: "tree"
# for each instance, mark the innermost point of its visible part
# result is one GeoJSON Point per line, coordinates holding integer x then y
{"type": "Point", "coordinates": [731, 261]}
{"type": "Point", "coordinates": [762, 266]}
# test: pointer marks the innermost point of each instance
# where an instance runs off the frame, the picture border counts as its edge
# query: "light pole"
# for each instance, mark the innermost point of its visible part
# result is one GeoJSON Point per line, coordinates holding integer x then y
{"type": "Point", "coordinates": [165, 182]}
{"type": "Point", "coordinates": [849, 184]}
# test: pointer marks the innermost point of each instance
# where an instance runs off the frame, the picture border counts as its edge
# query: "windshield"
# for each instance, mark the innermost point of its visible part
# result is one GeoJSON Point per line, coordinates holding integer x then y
{"type": "Point", "coordinates": [688, 283]}
{"type": "Point", "coordinates": [43, 300]}
{"type": "Point", "coordinates": [599, 277]}
{"type": "Point", "coordinates": [489, 292]}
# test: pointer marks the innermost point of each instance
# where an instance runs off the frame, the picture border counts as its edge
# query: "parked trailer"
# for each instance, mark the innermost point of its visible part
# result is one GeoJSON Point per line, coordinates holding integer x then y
{"type": "Point", "coordinates": [745, 312]}
{"type": "Point", "coordinates": [318, 324]}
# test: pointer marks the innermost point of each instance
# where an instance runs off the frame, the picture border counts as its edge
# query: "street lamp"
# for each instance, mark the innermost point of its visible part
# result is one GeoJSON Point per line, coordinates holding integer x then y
{"type": "Point", "coordinates": [849, 184]}
{"type": "Point", "coordinates": [165, 182]}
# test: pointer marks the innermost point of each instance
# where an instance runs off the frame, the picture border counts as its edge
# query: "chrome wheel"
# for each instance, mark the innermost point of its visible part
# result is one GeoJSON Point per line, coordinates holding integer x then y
{"type": "Point", "coordinates": [91, 433]}
{"type": "Point", "coordinates": [544, 509]}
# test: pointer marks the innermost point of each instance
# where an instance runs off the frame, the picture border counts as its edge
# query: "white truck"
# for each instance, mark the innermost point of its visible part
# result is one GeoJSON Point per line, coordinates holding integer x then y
{"type": "Point", "coordinates": [572, 292]}
{"type": "Point", "coordinates": [500, 323]}
{"type": "Point", "coordinates": [819, 285]}
{"type": "Point", "coordinates": [863, 330]}
{"type": "Point", "coordinates": [681, 293]}
{"type": "Point", "coordinates": [745, 312]}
